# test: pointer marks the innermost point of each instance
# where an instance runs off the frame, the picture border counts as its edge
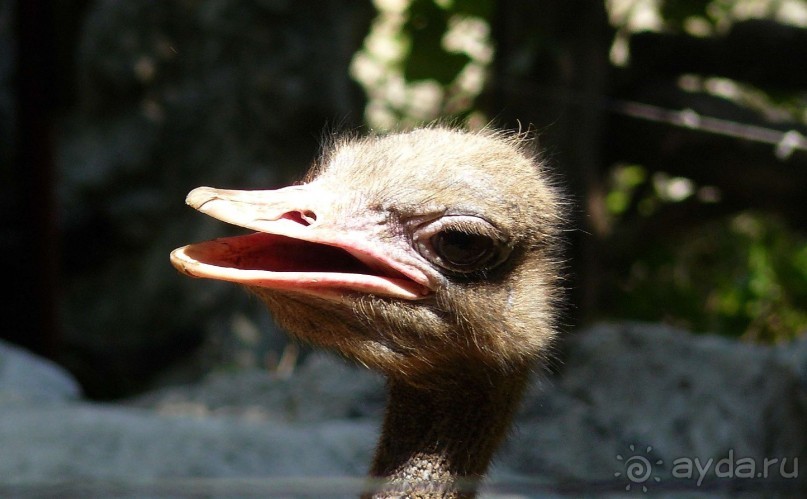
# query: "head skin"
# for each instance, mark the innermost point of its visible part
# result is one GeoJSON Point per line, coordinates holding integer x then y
{"type": "Point", "coordinates": [389, 187]}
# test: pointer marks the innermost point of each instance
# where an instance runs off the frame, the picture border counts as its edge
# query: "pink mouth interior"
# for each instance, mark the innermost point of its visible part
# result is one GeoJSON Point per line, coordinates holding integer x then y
{"type": "Point", "coordinates": [275, 253]}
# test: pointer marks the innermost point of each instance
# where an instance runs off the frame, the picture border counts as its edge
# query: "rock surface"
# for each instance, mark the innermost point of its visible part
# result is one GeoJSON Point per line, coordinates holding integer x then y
{"type": "Point", "coordinates": [26, 378]}
{"type": "Point", "coordinates": [626, 395]}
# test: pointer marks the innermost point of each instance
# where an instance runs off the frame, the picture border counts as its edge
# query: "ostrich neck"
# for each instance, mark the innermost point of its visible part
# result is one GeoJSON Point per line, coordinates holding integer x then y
{"type": "Point", "coordinates": [438, 443]}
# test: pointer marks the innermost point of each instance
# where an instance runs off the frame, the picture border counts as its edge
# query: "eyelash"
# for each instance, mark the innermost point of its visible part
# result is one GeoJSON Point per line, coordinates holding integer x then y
{"type": "Point", "coordinates": [486, 246]}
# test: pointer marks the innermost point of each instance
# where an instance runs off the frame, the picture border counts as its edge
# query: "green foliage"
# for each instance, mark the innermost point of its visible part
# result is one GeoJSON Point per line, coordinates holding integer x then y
{"type": "Point", "coordinates": [625, 180]}
{"type": "Point", "coordinates": [745, 275]}
{"type": "Point", "coordinates": [427, 58]}
{"type": "Point", "coordinates": [426, 27]}
{"type": "Point", "coordinates": [676, 12]}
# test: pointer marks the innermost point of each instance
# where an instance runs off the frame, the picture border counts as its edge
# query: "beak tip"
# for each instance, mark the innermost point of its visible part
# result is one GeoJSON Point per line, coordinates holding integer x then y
{"type": "Point", "coordinates": [176, 258]}
{"type": "Point", "coordinates": [199, 196]}
{"type": "Point", "coordinates": [181, 262]}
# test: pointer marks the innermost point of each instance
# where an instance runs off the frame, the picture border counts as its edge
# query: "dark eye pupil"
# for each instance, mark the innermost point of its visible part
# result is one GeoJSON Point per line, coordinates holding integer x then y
{"type": "Point", "coordinates": [462, 249]}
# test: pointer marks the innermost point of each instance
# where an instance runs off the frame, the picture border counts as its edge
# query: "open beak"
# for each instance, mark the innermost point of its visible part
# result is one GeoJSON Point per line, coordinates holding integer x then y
{"type": "Point", "coordinates": [299, 246]}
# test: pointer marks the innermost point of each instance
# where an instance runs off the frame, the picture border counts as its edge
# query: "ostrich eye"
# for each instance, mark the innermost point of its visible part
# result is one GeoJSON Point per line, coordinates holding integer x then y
{"type": "Point", "coordinates": [463, 250]}
{"type": "Point", "coordinates": [461, 244]}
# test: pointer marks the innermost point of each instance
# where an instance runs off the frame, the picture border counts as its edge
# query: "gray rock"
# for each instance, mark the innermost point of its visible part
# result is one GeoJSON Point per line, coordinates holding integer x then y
{"type": "Point", "coordinates": [322, 388]}
{"type": "Point", "coordinates": [136, 452]}
{"type": "Point", "coordinates": [666, 396]}
{"type": "Point", "coordinates": [25, 377]}
{"type": "Point", "coordinates": [327, 387]}
{"type": "Point", "coordinates": [794, 356]}
{"type": "Point", "coordinates": [625, 395]}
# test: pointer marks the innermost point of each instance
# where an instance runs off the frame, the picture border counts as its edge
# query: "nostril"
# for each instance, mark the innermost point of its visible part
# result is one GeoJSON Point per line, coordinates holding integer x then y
{"type": "Point", "coordinates": [309, 216]}
{"type": "Point", "coordinates": [305, 217]}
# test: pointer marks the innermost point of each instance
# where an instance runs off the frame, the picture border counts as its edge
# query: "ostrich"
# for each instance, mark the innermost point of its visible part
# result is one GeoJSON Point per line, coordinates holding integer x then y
{"type": "Point", "coordinates": [428, 255]}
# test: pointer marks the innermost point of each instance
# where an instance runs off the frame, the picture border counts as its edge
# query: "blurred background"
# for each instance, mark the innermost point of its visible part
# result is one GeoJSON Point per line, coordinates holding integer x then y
{"type": "Point", "coordinates": [677, 128]}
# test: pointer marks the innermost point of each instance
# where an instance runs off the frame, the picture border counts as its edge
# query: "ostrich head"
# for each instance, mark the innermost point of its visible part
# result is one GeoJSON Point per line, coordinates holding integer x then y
{"type": "Point", "coordinates": [428, 255]}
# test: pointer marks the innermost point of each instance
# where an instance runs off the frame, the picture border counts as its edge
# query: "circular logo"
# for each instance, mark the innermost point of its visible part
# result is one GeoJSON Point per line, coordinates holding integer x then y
{"type": "Point", "coordinates": [638, 468]}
